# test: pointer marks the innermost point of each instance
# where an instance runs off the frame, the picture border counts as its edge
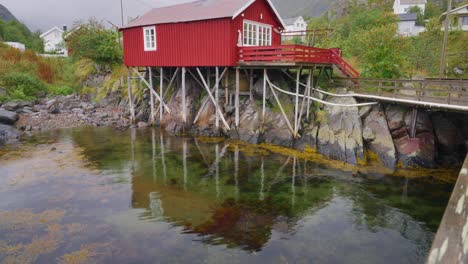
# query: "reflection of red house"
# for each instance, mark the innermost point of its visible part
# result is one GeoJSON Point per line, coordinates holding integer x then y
{"type": "Point", "coordinates": [201, 33]}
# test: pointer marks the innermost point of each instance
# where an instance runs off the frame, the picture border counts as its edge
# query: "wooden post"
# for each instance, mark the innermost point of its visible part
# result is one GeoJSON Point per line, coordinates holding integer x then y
{"type": "Point", "coordinates": [184, 105]}
{"type": "Point", "coordinates": [161, 92]}
{"type": "Point", "coordinates": [310, 82]}
{"type": "Point", "coordinates": [226, 89]}
{"type": "Point", "coordinates": [130, 96]}
{"type": "Point", "coordinates": [296, 113]}
{"type": "Point", "coordinates": [414, 118]}
{"type": "Point", "coordinates": [216, 95]}
{"type": "Point", "coordinates": [237, 97]}
{"type": "Point", "coordinates": [251, 84]}
{"type": "Point", "coordinates": [150, 73]}
{"type": "Point", "coordinates": [265, 74]}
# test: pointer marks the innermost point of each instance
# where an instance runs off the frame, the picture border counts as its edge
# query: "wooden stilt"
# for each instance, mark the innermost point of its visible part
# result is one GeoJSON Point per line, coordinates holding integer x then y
{"type": "Point", "coordinates": [205, 102]}
{"type": "Point", "coordinates": [160, 99]}
{"type": "Point", "coordinates": [214, 100]}
{"type": "Point", "coordinates": [171, 82]}
{"type": "Point", "coordinates": [161, 92]}
{"type": "Point", "coordinates": [310, 82]}
{"type": "Point", "coordinates": [296, 113]}
{"type": "Point", "coordinates": [414, 119]}
{"type": "Point", "coordinates": [184, 104]}
{"type": "Point", "coordinates": [226, 89]}
{"type": "Point", "coordinates": [150, 76]}
{"type": "Point", "coordinates": [281, 107]}
{"type": "Point", "coordinates": [251, 84]}
{"type": "Point", "coordinates": [265, 74]}
{"type": "Point", "coordinates": [130, 96]}
{"type": "Point", "coordinates": [237, 97]}
{"type": "Point", "coordinates": [217, 96]}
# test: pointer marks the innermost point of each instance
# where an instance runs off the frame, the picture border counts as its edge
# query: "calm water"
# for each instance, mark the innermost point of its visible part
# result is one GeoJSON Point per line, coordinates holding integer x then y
{"type": "Point", "coordinates": [104, 196]}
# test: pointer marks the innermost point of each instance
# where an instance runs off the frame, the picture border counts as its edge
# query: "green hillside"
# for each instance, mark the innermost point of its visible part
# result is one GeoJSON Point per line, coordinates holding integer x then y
{"type": "Point", "coordinates": [6, 15]}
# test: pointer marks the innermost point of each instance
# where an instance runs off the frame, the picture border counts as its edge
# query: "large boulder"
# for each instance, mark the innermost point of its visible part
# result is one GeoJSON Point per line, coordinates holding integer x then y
{"type": "Point", "coordinates": [276, 130]}
{"type": "Point", "coordinates": [412, 152]}
{"type": "Point", "coordinates": [377, 136]}
{"type": "Point", "coordinates": [8, 117]}
{"type": "Point", "coordinates": [174, 122]}
{"type": "Point", "coordinates": [340, 133]}
{"type": "Point", "coordinates": [8, 134]}
{"type": "Point", "coordinates": [250, 124]}
{"type": "Point", "coordinates": [205, 124]}
{"type": "Point", "coordinates": [10, 106]}
{"type": "Point", "coordinates": [449, 137]}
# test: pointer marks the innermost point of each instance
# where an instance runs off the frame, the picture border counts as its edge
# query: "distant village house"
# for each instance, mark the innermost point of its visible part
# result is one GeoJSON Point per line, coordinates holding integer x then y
{"type": "Point", "coordinates": [459, 18]}
{"type": "Point", "coordinates": [53, 40]}
{"type": "Point", "coordinates": [407, 25]}
{"type": "Point", "coordinates": [404, 6]}
{"type": "Point", "coordinates": [295, 26]}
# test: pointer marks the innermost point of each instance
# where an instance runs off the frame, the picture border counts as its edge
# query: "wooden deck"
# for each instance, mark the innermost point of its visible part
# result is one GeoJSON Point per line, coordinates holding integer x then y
{"type": "Point", "coordinates": [451, 242]}
{"type": "Point", "coordinates": [445, 94]}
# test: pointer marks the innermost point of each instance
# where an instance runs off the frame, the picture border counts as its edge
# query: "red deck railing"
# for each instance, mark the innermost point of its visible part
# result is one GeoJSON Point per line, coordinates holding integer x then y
{"type": "Point", "coordinates": [296, 54]}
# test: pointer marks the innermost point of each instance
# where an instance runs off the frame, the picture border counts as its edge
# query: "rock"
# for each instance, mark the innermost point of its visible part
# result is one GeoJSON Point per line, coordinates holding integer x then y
{"type": "Point", "coordinates": [250, 122]}
{"type": "Point", "coordinates": [8, 134]}
{"type": "Point", "coordinates": [308, 138]}
{"type": "Point", "coordinates": [416, 152]}
{"type": "Point", "coordinates": [25, 110]}
{"type": "Point", "coordinates": [54, 110]}
{"type": "Point", "coordinates": [365, 111]}
{"type": "Point", "coordinates": [377, 137]}
{"type": "Point", "coordinates": [51, 103]}
{"type": "Point", "coordinates": [142, 125]}
{"type": "Point", "coordinates": [395, 117]}
{"type": "Point", "coordinates": [10, 106]}
{"type": "Point", "coordinates": [41, 94]}
{"type": "Point", "coordinates": [449, 137]}
{"type": "Point", "coordinates": [340, 133]}
{"type": "Point", "coordinates": [8, 117]}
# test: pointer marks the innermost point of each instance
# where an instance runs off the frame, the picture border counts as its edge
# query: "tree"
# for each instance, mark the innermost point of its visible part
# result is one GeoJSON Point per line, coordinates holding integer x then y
{"type": "Point", "coordinates": [93, 41]}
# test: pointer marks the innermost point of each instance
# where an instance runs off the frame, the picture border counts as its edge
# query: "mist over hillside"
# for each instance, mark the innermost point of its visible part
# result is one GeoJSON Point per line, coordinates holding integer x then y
{"type": "Point", "coordinates": [311, 8]}
{"type": "Point", "coordinates": [5, 14]}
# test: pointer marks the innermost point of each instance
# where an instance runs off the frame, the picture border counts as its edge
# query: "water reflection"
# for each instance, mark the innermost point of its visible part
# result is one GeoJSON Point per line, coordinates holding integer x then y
{"type": "Point", "coordinates": [184, 198]}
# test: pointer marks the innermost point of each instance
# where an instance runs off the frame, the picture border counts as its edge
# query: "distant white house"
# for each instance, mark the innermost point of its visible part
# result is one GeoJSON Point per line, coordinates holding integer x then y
{"type": "Point", "coordinates": [295, 26]}
{"type": "Point", "coordinates": [460, 16]}
{"type": "Point", "coordinates": [16, 45]}
{"type": "Point", "coordinates": [404, 6]}
{"type": "Point", "coordinates": [407, 25]}
{"type": "Point", "coordinates": [53, 40]}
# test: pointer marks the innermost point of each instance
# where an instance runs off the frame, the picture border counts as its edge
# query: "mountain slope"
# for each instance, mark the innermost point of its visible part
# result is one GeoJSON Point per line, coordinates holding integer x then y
{"type": "Point", "coordinates": [5, 14]}
{"type": "Point", "coordinates": [293, 8]}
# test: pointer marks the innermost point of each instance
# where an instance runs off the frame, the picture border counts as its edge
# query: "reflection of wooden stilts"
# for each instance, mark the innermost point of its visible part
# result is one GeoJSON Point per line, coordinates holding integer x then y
{"type": "Point", "coordinates": [130, 96]}
{"type": "Point", "coordinates": [237, 97]}
{"type": "Point", "coordinates": [132, 139]}
{"type": "Point", "coordinates": [184, 149]}
{"type": "Point", "coordinates": [217, 170]}
{"type": "Point", "coordinates": [236, 170]}
{"type": "Point", "coordinates": [262, 180]}
{"type": "Point", "coordinates": [163, 158]}
{"type": "Point", "coordinates": [153, 141]}
{"type": "Point", "coordinates": [216, 97]}
{"type": "Point", "coordinates": [150, 76]}
{"type": "Point", "coordinates": [184, 104]}
{"type": "Point", "coordinates": [293, 182]}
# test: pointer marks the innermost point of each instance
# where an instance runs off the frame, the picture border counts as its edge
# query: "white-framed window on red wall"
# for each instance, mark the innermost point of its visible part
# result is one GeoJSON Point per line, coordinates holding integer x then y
{"type": "Point", "coordinates": [256, 34]}
{"type": "Point", "coordinates": [149, 38]}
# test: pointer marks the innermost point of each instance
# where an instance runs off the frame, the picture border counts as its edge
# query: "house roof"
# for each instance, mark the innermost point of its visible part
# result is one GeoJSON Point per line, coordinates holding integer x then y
{"type": "Point", "coordinates": [408, 17]}
{"type": "Point", "coordinates": [195, 11]}
{"type": "Point", "coordinates": [291, 20]}
{"type": "Point", "coordinates": [50, 31]}
{"type": "Point", "coordinates": [412, 2]}
{"type": "Point", "coordinates": [458, 9]}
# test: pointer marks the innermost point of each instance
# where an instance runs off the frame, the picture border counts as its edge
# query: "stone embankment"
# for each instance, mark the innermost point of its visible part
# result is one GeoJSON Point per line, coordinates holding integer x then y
{"type": "Point", "coordinates": [380, 133]}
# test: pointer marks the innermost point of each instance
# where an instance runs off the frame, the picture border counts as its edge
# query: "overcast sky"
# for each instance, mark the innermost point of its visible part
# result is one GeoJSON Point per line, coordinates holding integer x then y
{"type": "Point", "coordinates": [45, 14]}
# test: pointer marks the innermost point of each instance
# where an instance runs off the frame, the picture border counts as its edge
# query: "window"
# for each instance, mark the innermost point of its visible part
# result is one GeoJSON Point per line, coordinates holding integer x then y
{"type": "Point", "coordinates": [465, 21]}
{"type": "Point", "coordinates": [256, 34]}
{"type": "Point", "coordinates": [149, 38]}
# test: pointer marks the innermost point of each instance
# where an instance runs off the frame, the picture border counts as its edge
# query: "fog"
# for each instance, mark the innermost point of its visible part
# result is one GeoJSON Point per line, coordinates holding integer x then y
{"type": "Point", "coordinates": [45, 14]}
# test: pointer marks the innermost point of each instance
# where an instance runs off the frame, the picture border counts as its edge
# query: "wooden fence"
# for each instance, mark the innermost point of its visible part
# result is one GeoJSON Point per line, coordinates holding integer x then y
{"type": "Point", "coordinates": [450, 92]}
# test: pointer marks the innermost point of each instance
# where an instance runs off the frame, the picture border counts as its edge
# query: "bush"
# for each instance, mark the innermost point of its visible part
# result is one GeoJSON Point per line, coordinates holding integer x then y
{"type": "Point", "coordinates": [22, 86]}
{"type": "Point", "coordinates": [60, 90]}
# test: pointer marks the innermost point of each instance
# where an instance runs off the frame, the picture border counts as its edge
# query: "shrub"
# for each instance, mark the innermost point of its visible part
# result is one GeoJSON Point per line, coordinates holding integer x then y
{"type": "Point", "coordinates": [60, 90]}
{"type": "Point", "coordinates": [23, 85]}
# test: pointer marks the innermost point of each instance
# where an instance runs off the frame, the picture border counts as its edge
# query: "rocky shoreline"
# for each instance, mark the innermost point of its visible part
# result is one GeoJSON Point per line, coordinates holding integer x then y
{"type": "Point", "coordinates": [379, 133]}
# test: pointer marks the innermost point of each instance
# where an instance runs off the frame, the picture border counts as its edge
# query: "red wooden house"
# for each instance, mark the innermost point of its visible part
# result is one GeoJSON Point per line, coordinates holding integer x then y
{"type": "Point", "coordinates": [201, 33]}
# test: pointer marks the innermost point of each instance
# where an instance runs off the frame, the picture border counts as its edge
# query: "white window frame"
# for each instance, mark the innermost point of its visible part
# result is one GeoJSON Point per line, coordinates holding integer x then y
{"type": "Point", "coordinates": [257, 34]}
{"type": "Point", "coordinates": [147, 43]}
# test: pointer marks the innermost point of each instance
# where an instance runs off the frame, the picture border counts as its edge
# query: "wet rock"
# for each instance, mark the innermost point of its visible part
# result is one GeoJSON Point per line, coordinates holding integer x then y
{"type": "Point", "coordinates": [142, 125]}
{"type": "Point", "coordinates": [340, 133]}
{"type": "Point", "coordinates": [377, 137]}
{"type": "Point", "coordinates": [416, 152]}
{"type": "Point", "coordinates": [276, 130]}
{"type": "Point", "coordinates": [308, 138]}
{"type": "Point", "coordinates": [250, 123]}
{"type": "Point", "coordinates": [8, 134]}
{"type": "Point", "coordinates": [449, 138]}
{"type": "Point", "coordinates": [8, 117]}
{"type": "Point", "coordinates": [10, 106]}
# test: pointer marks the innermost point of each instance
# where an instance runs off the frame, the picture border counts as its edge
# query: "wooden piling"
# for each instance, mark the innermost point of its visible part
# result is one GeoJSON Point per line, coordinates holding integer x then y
{"type": "Point", "coordinates": [150, 76]}
{"type": "Point", "coordinates": [161, 92]}
{"type": "Point", "coordinates": [265, 74]}
{"type": "Point", "coordinates": [184, 104]}
{"type": "Point", "coordinates": [216, 95]}
{"type": "Point", "coordinates": [237, 97]}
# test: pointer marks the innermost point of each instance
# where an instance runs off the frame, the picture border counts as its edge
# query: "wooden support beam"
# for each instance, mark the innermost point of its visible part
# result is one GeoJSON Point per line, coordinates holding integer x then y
{"type": "Point", "coordinates": [414, 119]}
{"type": "Point", "coordinates": [251, 84]}
{"type": "Point", "coordinates": [226, 90]}
{"type": "Point", "coordinates": [306, 95]}
{"type": "Point", "coordinates": [130, 96]}
{"type": "Point", "coordinates": [150, 76]}
{"type": "Point", "coordinates": [216, 96]}
{"type": "Point", "coordinates": [205, 102]}
{"type": "Point", "coordinates": [171, 82]}
{"type": "Point", "coordinates": [281, 107]}
{"type": "Point", "coordinates": [161, 91]}
{"type": "Point", "coordinates": [265, 74]}
{"type": "Point", "coordinates": [310, 82]}
{"type": "Point", "coordinates": [153, 91]}
{"type": "Point", "coordinates": [296, 113]}
{"type": "Point", "coordinates": [214, 100]}
{"type": "Point", "coordinates": [184, 103]}
{"type": "Point", "coordinates": [237, 97]}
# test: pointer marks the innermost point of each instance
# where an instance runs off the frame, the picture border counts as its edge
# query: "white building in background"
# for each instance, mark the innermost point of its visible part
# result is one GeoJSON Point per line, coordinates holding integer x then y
{"type": "Point", "coordinates": [53, 40]}
{"type": "Point", "coordinates": [459, 16]}
{"type": "Point", "coordinates": [294, 24]}
{"type": "Point", "coordinates": [407, 25]}
{"type": "Point", "coordinates": [16, 45]}
{"type": "Point", "coordinates": [404, 6]}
